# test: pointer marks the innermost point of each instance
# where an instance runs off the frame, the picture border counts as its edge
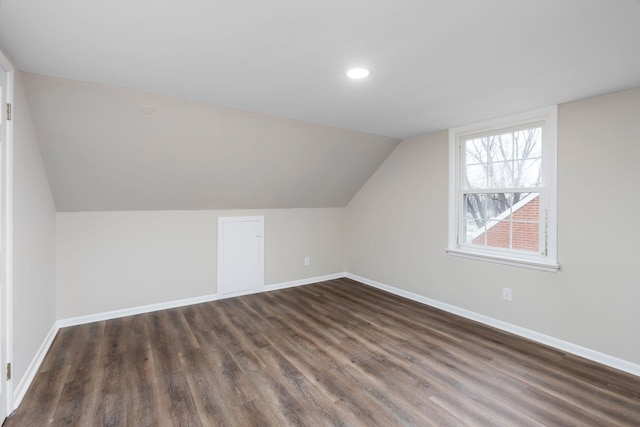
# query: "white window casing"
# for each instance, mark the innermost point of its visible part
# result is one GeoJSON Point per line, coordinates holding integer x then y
{"type": "Point", "coordinates": [459, 243]}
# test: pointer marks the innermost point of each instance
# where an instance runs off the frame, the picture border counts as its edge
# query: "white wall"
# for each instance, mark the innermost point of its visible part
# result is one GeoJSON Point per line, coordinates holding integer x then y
{"type": "Point", "coordinates": [115, 260]}
{"type": "Point", "coordinates": [397, 233]}
{"type": "Point", "coordinates": [34, 255]}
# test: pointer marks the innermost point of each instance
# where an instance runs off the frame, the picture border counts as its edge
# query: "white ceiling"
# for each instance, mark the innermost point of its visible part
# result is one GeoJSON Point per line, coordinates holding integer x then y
{"type": "Point", "coordinates": [435, 64]}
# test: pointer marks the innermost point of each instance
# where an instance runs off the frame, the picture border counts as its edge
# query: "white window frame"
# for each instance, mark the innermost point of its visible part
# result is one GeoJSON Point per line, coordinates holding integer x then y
{"type": "Point", "coordinates": [546, 258]}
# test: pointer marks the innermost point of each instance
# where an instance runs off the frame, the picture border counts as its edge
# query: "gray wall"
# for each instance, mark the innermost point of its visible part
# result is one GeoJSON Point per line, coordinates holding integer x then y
{"type": "Point", "coordinates": [34, 256]}
{"type": "Point", "coordinates": [396, 233]}
{"type": "Point", "coordinates": [116, 260]}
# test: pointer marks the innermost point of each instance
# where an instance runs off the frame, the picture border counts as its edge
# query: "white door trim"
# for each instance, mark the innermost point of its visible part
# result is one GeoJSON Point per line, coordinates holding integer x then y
{"type": "Point", "coordinates": [219, 284]}
{"type": "Point", "coordinates": [7, 232]}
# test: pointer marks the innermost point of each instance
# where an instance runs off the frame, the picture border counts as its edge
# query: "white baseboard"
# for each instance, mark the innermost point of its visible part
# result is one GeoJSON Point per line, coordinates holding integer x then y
{"type": "Point", "coordinates": [81, 320]}
{"type": "Point", "coordinates": [284, 285]}
{"type": "Point", "coordinates": [303, 282]}
{"type": "Point", "coordinates": [107, 315]}
{"type": "Point", "coordinates": [32, 370]}
{"type": "Point", "coordinates": [587, 353]}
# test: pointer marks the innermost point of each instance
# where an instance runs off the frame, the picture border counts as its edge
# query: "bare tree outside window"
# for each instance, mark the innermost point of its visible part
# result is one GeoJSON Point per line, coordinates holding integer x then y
{"type": "Point", "coordinates": [500, 170]}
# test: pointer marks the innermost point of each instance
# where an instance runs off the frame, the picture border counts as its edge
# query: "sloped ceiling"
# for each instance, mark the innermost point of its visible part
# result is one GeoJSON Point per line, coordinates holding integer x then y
{"type": "Point", "coordinates": [218, 72]}
{"type": "Point", "coordinates": [102, 152]}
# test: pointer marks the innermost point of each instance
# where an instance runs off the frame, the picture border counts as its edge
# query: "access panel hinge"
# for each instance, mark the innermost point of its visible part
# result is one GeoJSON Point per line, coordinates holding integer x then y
{"type": "Point", "coordinates": [8, 371]}
{"type": "Point", "coordinates": [8, 111]}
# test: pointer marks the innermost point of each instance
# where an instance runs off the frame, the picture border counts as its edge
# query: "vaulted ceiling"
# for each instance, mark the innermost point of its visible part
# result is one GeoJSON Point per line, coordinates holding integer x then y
{"type": "Point", "coordinates": [207, 67]}
{"type": "Point", "coordinates": [110, 148]}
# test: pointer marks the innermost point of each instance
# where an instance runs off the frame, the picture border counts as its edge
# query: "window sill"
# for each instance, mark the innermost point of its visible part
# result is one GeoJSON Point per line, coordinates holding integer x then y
{"type": "Point", "coordinates": [536, 265]}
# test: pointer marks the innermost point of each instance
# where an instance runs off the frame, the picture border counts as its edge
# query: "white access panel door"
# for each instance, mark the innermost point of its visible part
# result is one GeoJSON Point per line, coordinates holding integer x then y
{"type": "Point", "coordinates": [240, 255]}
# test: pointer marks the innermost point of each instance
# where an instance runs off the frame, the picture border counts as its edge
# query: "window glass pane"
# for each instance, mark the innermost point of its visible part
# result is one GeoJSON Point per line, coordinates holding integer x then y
{"type": "Point", "coordinates": [505, 160]}
{"type": "Point", "coordinates": [473, 233]}
{"type": "Point", "coordinates": [476, 151]}
{"type": "Point", "coordinates": [526, 207]}
{"type": "Point", "coordinates": [525, 236]}
{"type": "Point", "coordinates": [500, 147]}
{"type": "Point", "coordinates": [483, 211]}
{"type": "Point", "coordinates": [498, 234]}
{"type": "Point", "coordinates": [475, 206]}
{"type": "Point", "coordinates": [527, 143]}
{"type": "Point", "coordinates": [476, 176]}
{"type": "Point", "coordinates": [528, 172]}
{"type": "Point", "coordinates": [499, 205]}
{"type": "Point", "coordinates": [501, 175]}
{"type": "Point", "coordinates": [503, 220]}
{"type": "Point", "coordinates": [525, 229]}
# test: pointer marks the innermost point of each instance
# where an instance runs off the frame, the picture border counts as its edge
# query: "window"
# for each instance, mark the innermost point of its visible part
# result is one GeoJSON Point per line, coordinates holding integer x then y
{"type": "Point", "coordinates": [502, 203]}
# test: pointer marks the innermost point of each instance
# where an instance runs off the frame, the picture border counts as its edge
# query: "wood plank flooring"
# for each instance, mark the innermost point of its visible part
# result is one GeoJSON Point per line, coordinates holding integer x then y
{"type": "Point", "coordinates": [333, 353]}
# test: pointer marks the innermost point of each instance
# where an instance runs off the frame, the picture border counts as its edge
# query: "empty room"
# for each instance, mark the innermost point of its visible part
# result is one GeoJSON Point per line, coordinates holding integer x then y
{"type": "Point", "coordinates": [330, 213]}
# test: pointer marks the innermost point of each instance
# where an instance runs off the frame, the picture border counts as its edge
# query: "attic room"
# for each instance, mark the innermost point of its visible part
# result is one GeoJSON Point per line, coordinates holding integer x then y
{"type": "Point", "coordinates": [207, 219]}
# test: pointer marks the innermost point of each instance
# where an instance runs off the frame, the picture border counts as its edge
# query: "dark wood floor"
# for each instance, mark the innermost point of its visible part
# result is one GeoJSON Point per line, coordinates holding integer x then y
{"type": "Point", "coordinates": [332, 353]}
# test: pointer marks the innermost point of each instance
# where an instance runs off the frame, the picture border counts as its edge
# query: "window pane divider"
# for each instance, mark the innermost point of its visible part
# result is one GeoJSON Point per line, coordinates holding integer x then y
{"type": "Point", "coordinates": [503, 190]}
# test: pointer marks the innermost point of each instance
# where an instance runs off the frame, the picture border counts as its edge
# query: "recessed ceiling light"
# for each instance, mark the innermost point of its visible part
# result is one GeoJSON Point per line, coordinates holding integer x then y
{"type": "Point", "coordinates": [146, 109]}
{"type": "Point", "coordinates": [358, 73]}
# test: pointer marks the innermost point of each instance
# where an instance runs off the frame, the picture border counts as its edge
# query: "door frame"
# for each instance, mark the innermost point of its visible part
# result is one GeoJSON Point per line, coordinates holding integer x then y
{"type": "Point", "coordinates": [6, 223]}
{"type": "Point", "coordinates": [221, 221]}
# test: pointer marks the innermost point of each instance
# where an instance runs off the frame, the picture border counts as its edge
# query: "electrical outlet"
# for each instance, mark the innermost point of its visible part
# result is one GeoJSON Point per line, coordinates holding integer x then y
{"type": "Point", "coordinates": [306, 261]}
{"type": "Point", "coordinates": [506, 294]}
